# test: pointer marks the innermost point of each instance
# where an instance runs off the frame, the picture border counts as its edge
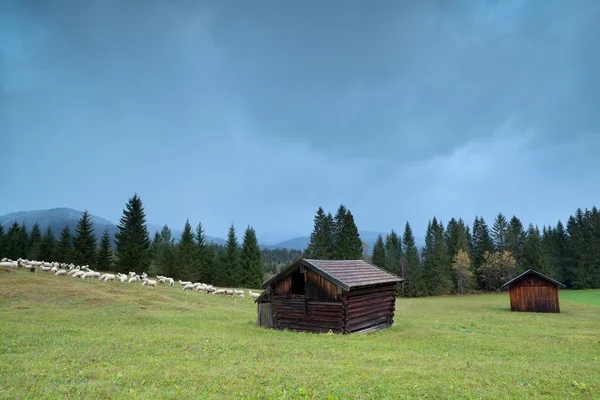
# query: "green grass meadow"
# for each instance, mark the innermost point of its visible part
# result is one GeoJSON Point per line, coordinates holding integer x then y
{"type": "Point", "coordinates": [65, 338]}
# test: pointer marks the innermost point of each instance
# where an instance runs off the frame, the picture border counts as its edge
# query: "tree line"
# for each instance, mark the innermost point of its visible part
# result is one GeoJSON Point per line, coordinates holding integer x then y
{"type": "Point", "coordinates": [192, 257]}
{"type": "Point", "coordinates": [458, 258]}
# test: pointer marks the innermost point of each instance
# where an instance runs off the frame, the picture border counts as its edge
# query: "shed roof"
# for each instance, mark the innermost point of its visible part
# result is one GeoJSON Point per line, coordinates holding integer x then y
{"type": "Point", "coordinates": [531, 272]}
{"type": "Point", "coordinates": [344, 273]}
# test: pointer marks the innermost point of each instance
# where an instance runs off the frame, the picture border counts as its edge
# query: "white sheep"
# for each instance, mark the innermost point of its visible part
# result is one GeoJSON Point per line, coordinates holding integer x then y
{"type": "Point", "coordinates": [61, 272]}
{"type": "Point", "coordinates": [253, 295]}
{"type": "Point", "coordinates": [132, 279]}
{"type": "Point", "coordinates": [187, 287]}
{"type": "Point", "coordinates": [218, 291]}
{"type": "Point", "coordinates": [77, 274]}
{"type": "Point", "coordinates": [149, 282]}
{"type": "Point", "coordinates": [107, 277]}
{"type": "Point", "coordinates": [6, 264]}
{"type": "Point", "coordinates": [184, 283]}
{"type": "Point", "coordinates": [170, 281]}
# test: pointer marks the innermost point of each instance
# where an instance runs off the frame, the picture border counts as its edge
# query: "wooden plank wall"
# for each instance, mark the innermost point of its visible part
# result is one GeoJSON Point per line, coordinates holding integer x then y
{"type": "Point", "coordinates": [535, 295]}
{"type": "Point", "coordinates": [370, 308]}
{"type": "Point", "coordinates": [284, 286]}
{"type": "Point", "coordinates": [265, 315]}
{"type": "Point", "coordinates": [318, 287]}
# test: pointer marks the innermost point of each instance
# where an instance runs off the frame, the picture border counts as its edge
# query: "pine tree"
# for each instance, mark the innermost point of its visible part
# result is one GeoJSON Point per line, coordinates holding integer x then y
{"type": "Point", "coordinates": [48, 246]}
{"type": "Point", "coordinates": [35, 240]}
{"type": "Point", "coordinates": [132, 241]}
{"type": "Point", "coordinates": [84, 242]}
{"type": "Point", "coordinates": [393, 253]}
{"type": "Point", "coordinates": [229, 272]}
{"type": "Point", "coordinates": [205, 256]}
{"type": "Point", "coordinates": [516, 242]}
{"type": "Point", "coordinates": [355, 245]}
{"type": "Point", "coordinates": [378, 256]}
{"type": "Point", "coordinates": [64, 250]}
{"type": "Point", "coordinates": [251, 260]}
{"type": "Point", "coordinates": [320, 238]}
{"type": "Point", "coordinates": [104, 252]}
{"type": "Point", "coordinates": [481, 243]}
{"type": "Point", "coordinates": [457, 237]}
{"type": "Point", "coordinates": [163, 250]}
{"type": "Point", "coordinates": [414, 285]}
{"type": "Point", "coordinates": [186, 253]}
{"type": "Point", "coordinates": [534, 254]}
{"type": "Point", "coordinates": [436, 263]}
{"type": "Point", "coordinates": [500, 232]}
{"type": "Point", "coordinates": [340, 236]}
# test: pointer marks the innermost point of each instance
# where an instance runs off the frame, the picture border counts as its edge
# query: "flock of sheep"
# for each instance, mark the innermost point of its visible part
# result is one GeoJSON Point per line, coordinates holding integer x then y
{"type": "Point", "coordinates": [84, 272]}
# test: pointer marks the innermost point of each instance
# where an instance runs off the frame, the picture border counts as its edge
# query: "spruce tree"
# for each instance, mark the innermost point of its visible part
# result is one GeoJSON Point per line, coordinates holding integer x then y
{"type": "Point", "coordinates": [318, 238]}
{"type": "Point", "coordinates": [534, 254]}
{"type": "Point", "coordinates": [48, 246]}
{"type": "Point", "coordinates": [229, 271]}
{"type": "Point", "coordinates": [378, 256]}
{"type": "Point", "coordinates": [436, 263]}
{"type": "Point", "coordinates": [457, 237]}
{"type": "Point", "coordinates": [186, 253]}
{"type": "Point", "coordinates": [340, 235]}
{"type": "Point", "coordinates": [12, 246]}
{"type": "Point", "coordinates": [64, 250]}
{"type": "Point", "coordinates": [415, 285]}
{"type": "Point", "coordinates": [84, 242]}
{"type": "Point", "coordinates": [355, 245]}
{"type": "Point", "coordinates": [104, 252]}
{"type": "Point", "coordinates": [481, 243]}
{"type": "Point", "coordinates": [393, 253]}
{"type": "Point", "coordinates": [500, 232]}
{"type": "Point", "coordinates": [164, 254]}
{"type": "Point", "coordinates": [35, 240]}
{"type": "Point", "coordinates": [516, 242]}
{"type": "Point", "coordinates": [23, 241]}
{"type": "Point", "coordinates": [251, 260]}
{"type": "Point", "coordinates": [132, 241]}
{"type": "Point", "coordinates": [205, 256]}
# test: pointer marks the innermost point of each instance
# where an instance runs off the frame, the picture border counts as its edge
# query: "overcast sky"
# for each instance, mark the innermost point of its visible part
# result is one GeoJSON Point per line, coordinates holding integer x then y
{"type": "Point", "coordinates": [259, 112]}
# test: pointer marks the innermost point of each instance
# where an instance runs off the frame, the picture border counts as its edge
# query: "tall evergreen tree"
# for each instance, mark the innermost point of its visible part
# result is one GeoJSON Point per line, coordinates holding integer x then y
{"type": "Point", "coordinates": [321, 239]}
{"type": "Point", "coordinates": [534, 254]}
{"type": "Point", "coordinates": [251, 260]}
{"type": "Point", "coordinates": [186, 253]}
{"type": "Point", "coordinates": [500, 232]}
{"type": "Point", "coordinates": [457, 237]}
{"type": "Point", "coordinates": [64, 250]}
{"type": "Point", "coordinates": [23, 241]}
{"type": "Point", "coordinates": [414, 285]}
{"type": "Point", "coordinates": [205, 255]}
{"type": "Point", "coordinates": [104, 252]}
{"type": "Point", "coordinates": [48, 246]}
{"type": "Point", "coordinates": [393, 254]}
{"type": "Point", "coordinates": [436, 263]}
{"type": "Point", "coordinates": [163, 250]}
{"type": "Point", "coordinates": [516, 242]}
{"type": "Point", "coordinates": [84, 242]}
{"type": "Point", "coordinates": [378, 257]}
{"type": "Point", "coordinates": [35, 240]}
{"type": "Point", "coordinates": [133, 240]}
{"type": "Point", "coordinates": [229, 271]}
{"type": "Point", "coordinates": [355, 245]}
{"type": "Point", "coordinates": [340, 234]}
{"type": "Point", "coordinates": [481, 243]}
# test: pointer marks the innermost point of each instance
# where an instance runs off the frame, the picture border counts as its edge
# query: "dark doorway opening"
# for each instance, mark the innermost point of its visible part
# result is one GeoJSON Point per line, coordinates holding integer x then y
{"type": "Point", "coordinates": [298, 283]}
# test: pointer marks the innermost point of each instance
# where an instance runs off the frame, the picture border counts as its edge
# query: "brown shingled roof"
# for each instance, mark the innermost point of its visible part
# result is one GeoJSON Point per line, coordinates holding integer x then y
{"type": "Point", "coordinates": [345, 273]}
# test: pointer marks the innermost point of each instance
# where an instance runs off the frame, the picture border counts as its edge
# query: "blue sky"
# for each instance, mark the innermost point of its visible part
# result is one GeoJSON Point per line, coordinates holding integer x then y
{"type": "Point", "coordinates": [259, 112]}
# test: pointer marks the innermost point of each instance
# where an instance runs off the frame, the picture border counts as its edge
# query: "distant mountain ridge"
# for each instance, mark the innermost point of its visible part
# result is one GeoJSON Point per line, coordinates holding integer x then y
{"type": "Point", "coordinates": [57, 218]}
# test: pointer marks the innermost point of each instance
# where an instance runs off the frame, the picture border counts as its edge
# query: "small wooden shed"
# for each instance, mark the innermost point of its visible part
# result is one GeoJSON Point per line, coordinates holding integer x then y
{"type": "Point", "coordinates": [344, 296]}
{"type": "Point", "coordinates": [534, 292]}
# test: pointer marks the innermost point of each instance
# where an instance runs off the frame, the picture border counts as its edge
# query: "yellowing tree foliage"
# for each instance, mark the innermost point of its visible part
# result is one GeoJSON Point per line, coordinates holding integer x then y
{"type": "Point", "coordinates": [461, 267]}
{"type": "Point", "coordinates": [497, 269]}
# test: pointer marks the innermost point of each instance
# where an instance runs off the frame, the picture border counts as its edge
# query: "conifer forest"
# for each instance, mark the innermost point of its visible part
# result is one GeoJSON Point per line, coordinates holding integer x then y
{"type": "Point", "coordinates": [457, 257]}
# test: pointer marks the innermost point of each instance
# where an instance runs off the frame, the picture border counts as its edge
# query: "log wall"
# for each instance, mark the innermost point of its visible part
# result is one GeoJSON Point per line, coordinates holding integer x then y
{"type": "Point", "coordinates": [369, 309]}
{"type": "Point", "coordinates": [309, 315]}
{"type": "Point", "coordinates": [534, 294]}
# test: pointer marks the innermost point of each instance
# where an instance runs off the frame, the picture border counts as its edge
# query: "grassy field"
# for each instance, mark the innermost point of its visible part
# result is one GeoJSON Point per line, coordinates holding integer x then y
{"type": "Point", "coordinates": [65, 338]}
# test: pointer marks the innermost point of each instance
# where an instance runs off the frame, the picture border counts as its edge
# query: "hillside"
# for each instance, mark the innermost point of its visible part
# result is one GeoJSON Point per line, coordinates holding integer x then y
{"type": "Point", "coordinates": [165, 343]}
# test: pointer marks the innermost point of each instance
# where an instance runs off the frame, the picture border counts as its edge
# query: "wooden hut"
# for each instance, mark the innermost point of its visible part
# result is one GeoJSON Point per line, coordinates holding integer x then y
{"type": "Point", "coordinates": [344, 296]}
{"type": "Point", "coordinates": [534, 292]}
